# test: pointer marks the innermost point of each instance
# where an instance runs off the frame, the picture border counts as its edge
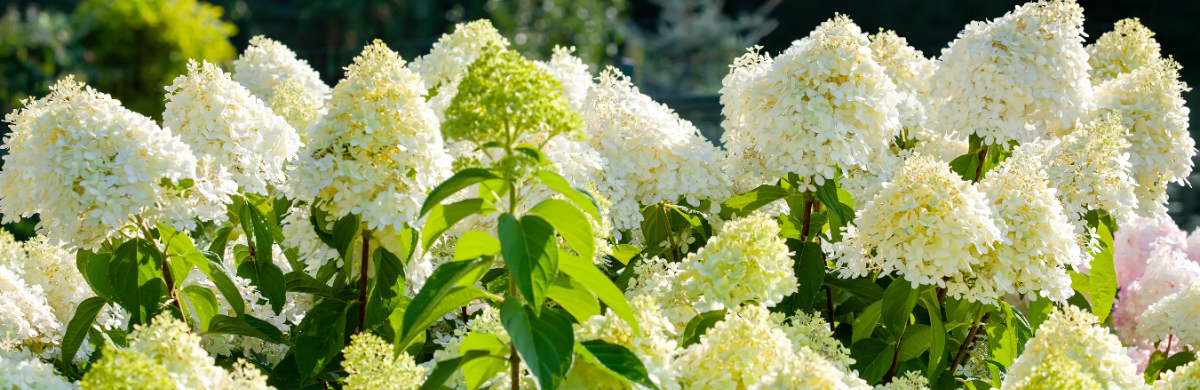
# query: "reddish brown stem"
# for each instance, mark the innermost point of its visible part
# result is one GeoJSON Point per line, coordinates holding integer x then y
{"type": "Point", "coordinates": [362, 282]}
{"type": "Point", "coordinates": [959, 358]}
{"type": "Point", "coordinates": [808, 205]}
{"type": "Point", "coordinates": [895, 360]}
{"type": "Point", "coordinates": [979, 169]}
{"type": "Point", "coordinates": [829, 303]}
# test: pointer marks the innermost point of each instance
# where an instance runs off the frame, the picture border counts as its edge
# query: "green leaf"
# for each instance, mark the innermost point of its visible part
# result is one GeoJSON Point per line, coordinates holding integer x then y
{"type": "Point", "coordinates": [345, 232]}
{"type": "Point", "coordinates": [865, 322]}
{"type": "Point", "coordinates": [454, 184]}
{"type": "Point", "coordinates": [594, 280]}
{"type": "Point", "coordinates": [446, 369]}
{"type": "Point", "coordinates": [617, 360]}
{"type": "Point", "coordinates": [699, 325]}
{"type": "Point", "coordinates": [224, 284]}
{"type": "Point", "coordinates": [898, 303]}
{"type": "Point", "coordinates": [531, 254]}
{"type": "Point", "coordinates": [570, 223]}
{"type": "Point", "coordinates": [574, 297]}
{"type": "Point", "coordinates": [1039, 311]}
{"type": "Point", "coordinates": [220, 240]}
{"type": "Point", "coordinates": [321, 333]}
{"type": "Point", "coordinates": [625, 252]}
{"type": "Point", "coordinates": [123, 277]}
{"type": "Point", "coordinates": [863, 288]}
{"type": "Point", "coordinates": [810, 272]}
{"type": "Point", "coordinates": [1160, 364]}
{"type": "Point", "coordinates": [78, 327]}
{"type": "Point", "coordinates": [204, 304]}
{"type": "Point", "coordinates": [476, 372]}
{"type": "Point", "coordinates": [579, 198]}
{"type": "Point", "coordinates": [97, 272]}
{"type": "Point", "coordinates": [917, 339]}
{"type": "Point", "coordinates": [301, 282]}
{"type": "Point", "coordinates": [475, 244]}
{"type": "Point", "coordinates": [828, 195]}
{"type": "Point", "coordinates": [267, 276]}
{"type": "Point", "coordinates": [386, 289]}
{"type": "Point", "coordinates": [443, 217]}
{"type": "Point", "coordinates": [531, 151]}
{"type": "Point", "coordinates": [246, 325]}
{"type": "Point", "coordinates": [966, 165]}
{"type": "Point", "coordinates": [1080, 282]}
{"type": "Point", "coordinates": [745, 203]}
{"type": "Point", "coordinates": [937, 346]}
{"type": "Point", "coordinates": [872, 358]}
{"type": "Point", "coordinates": [440, 294]}
{"type": "Point", "coordinates": [546, 343]}
{"type": "Point", "coordinates": [1102, 273]}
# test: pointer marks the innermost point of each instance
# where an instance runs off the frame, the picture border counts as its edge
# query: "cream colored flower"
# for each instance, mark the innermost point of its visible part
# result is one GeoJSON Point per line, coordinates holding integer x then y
{"type": "Point", "coordinates": [1128, 47]}
{"type": "Point", "coordinates": [745, 261]}
{"type": "Point", "coordinates": [266, 64]}
{"type": "Point", "coordinates": [572, 73]}
{"type": "Point", "coordinates": [1176, 315]}
{"type": "Point", "coordinates": [823, 104]}
{"type": "Point", "coordinates": [1028, 67]}
{"type": "Point", "coordinates": [379, 149]}
{"type": "Point", "coordinates": [1070, 348]}
{"type": "Point", "coordinates": [220, 119]}
{"type": "Point", "coordinates": [292, 102]}
{"type": "Point", "coordinates": [1182, 378]}
{"type": "Point", "coordinates": [21, 370]}
{"type": "Point", "coordinates": [1151, 105]}
{"type": "Point", "coordinates": [371, 364]}
{"type": "Point", "coordinates": [911, 380]}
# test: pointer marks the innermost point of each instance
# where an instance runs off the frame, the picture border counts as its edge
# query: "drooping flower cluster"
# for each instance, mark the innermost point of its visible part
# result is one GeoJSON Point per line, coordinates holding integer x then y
{"type": "Point", "coordinates": [1026, 67]}
{"type": "Point", "coordinates": [653, 155]}
{"type": "Point", "coordinates": [1128, 47]}
{"type": "Point", "coordinates": [220, 119]}
{"type": "Point", "coordinates": [1038, 242]}
{"type": "Point", "coordinates": [746, 261]}
{"type": "Point", "coordinates": [87, 165]}
{"type": "Point", "coordinates": [370, 364]}
{"type": "Point", "coordinates": [928, 224]}
{"type": "Point", "coordinates": [163, 355]}
{"type": "Point", "coordinates": [378, 151]}
{"type": "Point", "coordinates": [266, 64]}
{"type": "Point", "coordinates": [1090, 170]}
{"type": "Point", "coordinates": [1071, 335]}
{"type": "Point", "coordinates": [821, 105]}
{"type": "Point", "coordinates": [1176, 315]}
{"type": "Point", "coordinates": [1151, 105]}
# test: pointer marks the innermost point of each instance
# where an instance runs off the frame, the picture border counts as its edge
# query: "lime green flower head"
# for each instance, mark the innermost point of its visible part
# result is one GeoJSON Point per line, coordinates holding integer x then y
{"type": "Point", "coordinates": [506, 98]}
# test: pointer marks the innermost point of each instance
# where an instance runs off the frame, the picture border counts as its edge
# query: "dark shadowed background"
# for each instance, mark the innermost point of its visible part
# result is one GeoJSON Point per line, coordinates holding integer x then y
{"type": "Point", "coordinates": [676, 50]}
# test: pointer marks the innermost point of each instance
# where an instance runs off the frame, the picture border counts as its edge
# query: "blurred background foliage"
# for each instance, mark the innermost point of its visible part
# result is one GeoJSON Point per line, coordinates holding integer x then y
{"type": "Point", "coordinates": [676, 50]}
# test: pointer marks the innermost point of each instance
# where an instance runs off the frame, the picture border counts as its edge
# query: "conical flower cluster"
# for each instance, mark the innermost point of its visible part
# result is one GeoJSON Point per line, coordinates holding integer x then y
{"type": "Point", "coordinates": [87, 165]}
{"type": "Point", "coordinates": [379, 149]}
{"type": "Point", "coordinates": [220, 119]}
{"type": "Point", "coordinates": [821, 105]}
{"type": "Point", "coordinates": [1128, 47]}
{"type": "Point", "coordinates": [1151, 105]}
{"type": "Point", "coordinates": [1071, 340]}
{"type": "Point", "coordinates": [927, 224]}
{"type": "Point", "coordinates": [572, 73]}
{"type": "Point", "coordinates": [1026, 67]}
{"type": "Point", "coordinates": [653, 155]}
{"type": "Point", "coordinates": [266, 64]}
{"type": "Point", "coordinates": [746, 261]}
{"type": "Point", "coordinates": [446, 64]}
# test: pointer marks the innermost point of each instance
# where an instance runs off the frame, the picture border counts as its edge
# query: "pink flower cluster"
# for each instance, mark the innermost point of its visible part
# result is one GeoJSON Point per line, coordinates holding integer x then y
{"type": "Point", "coordinates": [1153, 259]}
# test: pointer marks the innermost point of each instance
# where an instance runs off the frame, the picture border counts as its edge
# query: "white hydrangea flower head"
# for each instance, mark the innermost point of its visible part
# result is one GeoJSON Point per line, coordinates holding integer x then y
{"type": "Point", "coordinates": [1182, 378]}
{"type": "Point", "coordinates": [911, 380]}
{"type": "Point", "coordinates": [1168, 271]}
{"type": "Point", "coordinates": [1128, 47]}
{"type": "Point", "coordinates": [658, 280]}
{"type": "Point", "coordinates": [1176, 315]}
{"type": "Point", "coordinates": [1026, 67]}
{"type": "Point", "coordinates": [293, 103]}
{"type": "Point", "coordinates": [26, 320]}
{"type": "Point", "coordinates": [166, 350]}
{"type": "Point", "coordinates": [1075, 336]}
{"type": "Point", "coordinates": [927, 224]}
{"type": "Point", "coordinates": [653, 155]}
{"type": "Point", "coordinates": [576, 161]}
{"type": "Point", "coordinates": [745, 261]}
{"type": "Point", "coordinates": [572, 73]}
{"type": "Point", "coordinates": [906, 66]}
{"type": "Point", "coordinates": [266, 64]}
{"type": "Point", "coordinates": [812, 331]}
{"type": "Point", "coordinates": [219, 118]}
{"type": "Point", "coordinates": [379, 149]}
{"type": "Point", "coordinates": [444, 67]}
{"type": "Point", "coordinates": [806, 369]}
{"type": "Point", "coordinates": [22, 370]}
{"type": "Point", "coordinates": [1151, 105]}
{"type": "Point", "coordinates": [1056, 371]}
{"type": "Point", "coordinates": [736, 352]}
{"type": "Point", "coordinates": [86, 164]}
{"type": "Point", "coordinates": [1039, 242]}
{"type": "Point", "coordinates": [655, 346]}
{"type": "Point", "coordinates": [864, 183]}
{"type": "Point", "coordinates": [825, 103]}
{"type": "Point", "coordinates": [371, 364]}
{"type": "Point", "coordinates": [1090, 170]}
{"type": "Point", "coordinates": [943, 147]}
